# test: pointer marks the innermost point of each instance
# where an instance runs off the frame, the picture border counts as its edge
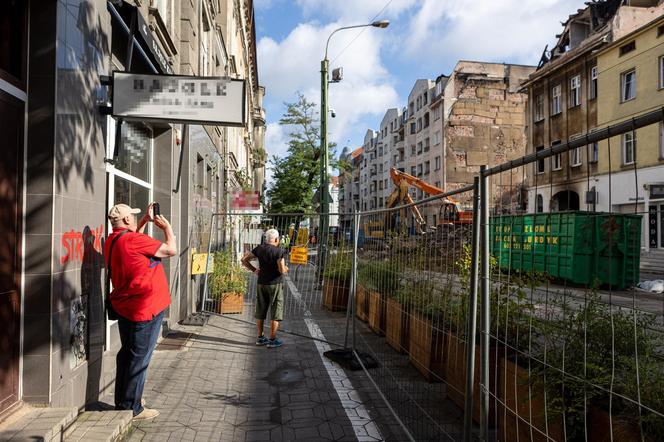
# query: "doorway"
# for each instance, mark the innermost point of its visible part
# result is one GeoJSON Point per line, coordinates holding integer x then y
{"type": "Point", "coordinates": [12, 113]}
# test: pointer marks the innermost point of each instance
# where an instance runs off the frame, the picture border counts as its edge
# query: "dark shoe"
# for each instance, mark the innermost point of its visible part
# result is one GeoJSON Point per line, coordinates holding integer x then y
{"type": "Point", "coordinates": [262, 340]}
{"type": "Point", "coordinates": [276, 342]}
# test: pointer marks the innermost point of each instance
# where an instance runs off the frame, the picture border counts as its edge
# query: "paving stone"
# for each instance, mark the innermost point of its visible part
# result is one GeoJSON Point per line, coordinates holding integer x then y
{"type": "Point", "coordinates": [39, 424]}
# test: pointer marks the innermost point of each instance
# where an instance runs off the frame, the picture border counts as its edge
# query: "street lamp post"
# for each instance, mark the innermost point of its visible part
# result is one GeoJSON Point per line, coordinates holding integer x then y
{"type": "Point", "coordinates": [324, 159]}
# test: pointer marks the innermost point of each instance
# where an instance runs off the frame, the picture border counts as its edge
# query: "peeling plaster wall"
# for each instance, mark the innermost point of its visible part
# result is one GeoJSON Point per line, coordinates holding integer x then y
{"type": "Point", "coordinates": [485, 120]}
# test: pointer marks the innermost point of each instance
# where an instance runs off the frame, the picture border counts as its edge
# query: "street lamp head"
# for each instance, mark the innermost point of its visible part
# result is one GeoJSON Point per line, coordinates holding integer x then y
{"type": "Point", "coordinates": [381, 24]}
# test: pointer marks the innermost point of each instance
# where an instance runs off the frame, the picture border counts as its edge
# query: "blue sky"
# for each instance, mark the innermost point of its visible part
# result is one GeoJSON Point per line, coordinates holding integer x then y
{"type": "Point", "coordinates": [425, 39]}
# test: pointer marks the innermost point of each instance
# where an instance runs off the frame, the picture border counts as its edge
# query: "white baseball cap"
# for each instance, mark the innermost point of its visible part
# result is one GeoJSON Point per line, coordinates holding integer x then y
{"type": "Point", "coordinates": [120, 211]}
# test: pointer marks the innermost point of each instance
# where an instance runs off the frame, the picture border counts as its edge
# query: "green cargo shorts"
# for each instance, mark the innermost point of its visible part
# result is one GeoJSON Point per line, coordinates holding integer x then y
{"type": "Point", "coordinates": [270, 297]}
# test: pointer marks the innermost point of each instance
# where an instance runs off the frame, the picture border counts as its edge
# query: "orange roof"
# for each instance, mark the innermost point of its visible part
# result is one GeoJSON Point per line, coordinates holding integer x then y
{"type": "Point", "coordinates": [357, 152]}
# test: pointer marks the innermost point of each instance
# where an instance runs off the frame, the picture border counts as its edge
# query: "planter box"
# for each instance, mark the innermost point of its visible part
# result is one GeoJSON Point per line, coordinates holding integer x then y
{"type": "Point", "coordinates": [397, 324]}
{"type": "Point", "coordinates": [335, 294]}
{"type": "Point", "coordinates": [230, 303]}
{"type": "Point", "coordinates": [600, 429]}
{"type": "Point", "coordinates": [361, 303]}
{"type": "Point", "coordinates": [427, 347]}
{"type": "Point", "coordinates": [524, 407]}
{"type": "Point", "coordinates": [377, 312]}
{"type": "Point", "coordinates": [455, 375]}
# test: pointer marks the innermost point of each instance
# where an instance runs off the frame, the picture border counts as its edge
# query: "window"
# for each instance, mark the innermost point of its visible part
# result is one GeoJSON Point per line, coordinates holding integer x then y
{"type": "Point", "coordinates": [661, 72]}
{"type": "Point", "coordinates": [413, 170]}
{"type": "Point", "coordinates": [539, 204]}
{"type": "Point", "coordinates": [419, 124]}
{"type": "Point", "coordinates": [436, 138]}
{"type": "Point", "coordinates": [419, 148]}
{"type": "Point", "coordinates": [593, 83]}
{"type": "Point", "coordinates": [557, 159]}
{"type": "Point", "coordinates": [539, 166]}
{"type": "Point", "coordinates": [412, 149]}
{"type": "Point", "coordinates": [411, 109]}
{"type": "Point", "coordinates": [556, 100]}
{"type": "Point", "coordinates": [425, 97]}
{"type": "Point", "coordinates": [575, 157]}
{"type": "Point", "coordinates": [594, 152]}
{"type": "Point", "coordinates": [557, 162]}
{"type": "Point", "coordinates": [575, 91]}
{"type": "Point", "coordinates": [412, 128]}
{"type": "Point", "coordinates": [437, 184]}
{"type": "Point", "coordinates": [629, 147]}
{"type": "Point", "coordinates": [661, 140]}
{"type": "Point", "coordinates": [660, 30]}
{"type": "Point", "coordinates": [419, 170]}
{"type": "Point", "coordinates": [539, 108]}
{"type": "Point", "coordinates": [436, 113]}
{"type": "Point", "coordinates": [629, 47]}
{"type": "Point", "coordinates": [437, 163]}
{"type": "Point", "coordinates": [426, 145]}
{"type": "Point", "coordinates": [628, 85]}
{"type": "Point", "coordinates": [427, 167]}
{"type": "Point", "coordinates": [426, 119]}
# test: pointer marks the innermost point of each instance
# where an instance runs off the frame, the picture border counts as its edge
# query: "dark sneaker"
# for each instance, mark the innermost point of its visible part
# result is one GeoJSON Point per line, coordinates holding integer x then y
{"type": "Point", "coordinates": [276, 342]}
{"type": "Point", "coordinates": [262, 340]}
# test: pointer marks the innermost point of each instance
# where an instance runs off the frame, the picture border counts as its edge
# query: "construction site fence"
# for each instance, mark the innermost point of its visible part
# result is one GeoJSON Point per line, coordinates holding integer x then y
{"type": "Point", "coordinates": [512, 309]}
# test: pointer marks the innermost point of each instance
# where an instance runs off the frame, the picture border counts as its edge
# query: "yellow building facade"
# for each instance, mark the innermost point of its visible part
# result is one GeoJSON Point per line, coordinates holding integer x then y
{"type": "Point", "coordinates": [630, 83]}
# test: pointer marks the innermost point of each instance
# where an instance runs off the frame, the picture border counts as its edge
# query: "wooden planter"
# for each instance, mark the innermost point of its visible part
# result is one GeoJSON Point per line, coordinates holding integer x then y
{"type": "Point", "coordinates": [335, 294]}
{"type": "Point", "coordinates": [427, 347]}
{"type": "Point", "coordinates": [455, 375]}
{"type": "Point", "coordinates": [230, 303]}
{"type": "Point", "coordinates": [600, 428]}
{"type": "Point", "coordinates": [376, 312]}
{"type": "Point", "coordinates": [398, 326]}
{"type": "Point", "coordinates": [361, 303]}
{"type": "Point", "coordinates": [524, 407]}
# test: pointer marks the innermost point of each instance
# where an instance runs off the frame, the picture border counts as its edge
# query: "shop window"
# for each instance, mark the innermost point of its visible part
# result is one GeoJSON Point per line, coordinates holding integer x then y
{"type": "Point", "coordinates": [134, 151]}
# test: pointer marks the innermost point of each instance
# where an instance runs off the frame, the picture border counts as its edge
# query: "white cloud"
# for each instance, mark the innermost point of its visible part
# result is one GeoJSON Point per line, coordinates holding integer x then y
{"type": "Point", "coordinates": [358, 11]}
{"type": "Point", "coordinates": [507, 30]}
{"type": "Point", "coordinates": [293, 65]}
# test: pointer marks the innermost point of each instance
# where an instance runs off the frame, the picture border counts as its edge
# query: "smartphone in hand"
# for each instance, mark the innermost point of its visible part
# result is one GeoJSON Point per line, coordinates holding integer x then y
{"type": "Point", "coordinates": [156, 210]}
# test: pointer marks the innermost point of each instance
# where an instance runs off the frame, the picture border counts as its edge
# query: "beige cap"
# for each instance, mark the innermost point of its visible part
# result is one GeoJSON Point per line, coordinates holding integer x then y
{"type": "Point", "coordinates": [120, 211]}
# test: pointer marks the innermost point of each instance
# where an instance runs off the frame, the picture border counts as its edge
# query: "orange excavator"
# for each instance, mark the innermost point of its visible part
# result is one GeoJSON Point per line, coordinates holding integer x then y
{"type": "Point", "coordinates": [449, 213]}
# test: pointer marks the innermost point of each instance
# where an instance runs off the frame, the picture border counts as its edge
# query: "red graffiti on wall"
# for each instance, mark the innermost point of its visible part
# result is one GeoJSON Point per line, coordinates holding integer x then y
{"type": "Point", "coordinates": [74, 243]}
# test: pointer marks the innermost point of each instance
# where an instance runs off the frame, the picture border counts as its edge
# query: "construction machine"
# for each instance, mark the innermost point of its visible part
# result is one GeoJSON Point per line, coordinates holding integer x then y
{"type": "Point", "coordinates": [449, 212]}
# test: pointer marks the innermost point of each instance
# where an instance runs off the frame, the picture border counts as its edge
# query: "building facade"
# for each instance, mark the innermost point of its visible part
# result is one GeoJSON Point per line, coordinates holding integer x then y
{"type": "Point", "coordinates": [631, 78]}
{"type": "Point", "coordinates": [69, 161]}
{"type": "Point", "coordinates": [571, 94]}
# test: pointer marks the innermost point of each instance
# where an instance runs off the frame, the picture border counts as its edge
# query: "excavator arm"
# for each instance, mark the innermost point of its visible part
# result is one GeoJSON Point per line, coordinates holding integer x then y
{"type": "Point", "coordinates": [400, 195]}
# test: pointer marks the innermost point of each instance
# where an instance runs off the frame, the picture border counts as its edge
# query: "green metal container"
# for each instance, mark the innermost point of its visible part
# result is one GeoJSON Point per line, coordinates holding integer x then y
{"type": "Point", "coordinates": [579, 247]}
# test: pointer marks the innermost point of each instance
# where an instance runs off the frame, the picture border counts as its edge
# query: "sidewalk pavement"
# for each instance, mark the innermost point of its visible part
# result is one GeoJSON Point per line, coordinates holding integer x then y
{"type": "Point", "coordinates": [218, 385]}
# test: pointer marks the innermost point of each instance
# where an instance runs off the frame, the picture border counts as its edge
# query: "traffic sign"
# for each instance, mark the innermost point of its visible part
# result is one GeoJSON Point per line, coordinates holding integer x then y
{"type": "Point", "coordinates": [298, 255]}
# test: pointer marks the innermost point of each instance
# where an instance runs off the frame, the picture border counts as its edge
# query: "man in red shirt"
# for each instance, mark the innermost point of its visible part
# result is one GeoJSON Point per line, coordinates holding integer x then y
{"type": "Point", "coordinates": [140, 297]}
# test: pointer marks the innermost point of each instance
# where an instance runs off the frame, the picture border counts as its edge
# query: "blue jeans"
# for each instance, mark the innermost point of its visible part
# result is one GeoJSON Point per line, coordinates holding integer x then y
{"type": "Point", "coordinates": [138, 341]}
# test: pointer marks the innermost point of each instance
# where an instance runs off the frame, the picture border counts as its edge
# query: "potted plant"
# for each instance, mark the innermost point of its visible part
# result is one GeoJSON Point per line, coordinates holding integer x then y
{"type": "Point", "coordinates": [336, 281]}
{"type": "Point", "coordinates": [428, 306]}
{"type": "Point", "coordinates": [379, 280]}
{"type": "Point", "coordinates": [228, 283]}
{"type": "Point", "coordinates": [361, 293]}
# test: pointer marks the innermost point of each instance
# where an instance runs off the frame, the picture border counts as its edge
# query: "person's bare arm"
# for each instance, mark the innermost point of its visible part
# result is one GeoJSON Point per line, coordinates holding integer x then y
{"type": "Point", "coordinates": [246, 262]}
{"type": "Point", "coordinates": [283, 268]}
{"type": "Point", "coordinates": [169, 247]}
{"type": "Point", "coordinates": [140, 227]}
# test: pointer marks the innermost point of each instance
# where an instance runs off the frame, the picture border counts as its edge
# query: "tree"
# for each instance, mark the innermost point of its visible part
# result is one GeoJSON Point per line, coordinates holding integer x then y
{"type": "Point", "coordinates": [297, 175]}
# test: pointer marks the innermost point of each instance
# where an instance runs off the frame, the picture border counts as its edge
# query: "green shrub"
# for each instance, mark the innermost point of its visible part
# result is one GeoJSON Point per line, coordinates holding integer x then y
{"type": "Point", "coordinates": [338, 267]}
{"type": "Point", "coordinates": [382, 276]}
{"type": "Point", "coordinates": [228, 275]}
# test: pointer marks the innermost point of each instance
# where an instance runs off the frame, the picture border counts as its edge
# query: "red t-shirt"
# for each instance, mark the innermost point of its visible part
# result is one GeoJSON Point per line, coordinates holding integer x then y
{"type": "Point", "coordinates": [140, 287]}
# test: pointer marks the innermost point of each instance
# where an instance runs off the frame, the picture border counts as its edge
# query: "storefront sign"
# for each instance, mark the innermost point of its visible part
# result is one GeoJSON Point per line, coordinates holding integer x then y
{"type": "Point", "coordinates": [153, 47]}
{"type": "Point", "coordinates": [246, 200]}
{"type": "Point", "coordinates": [179, 99]}
{"type": "Point", "coordinates": [656, 191]}
{"type": "Point", "coordinates": [298, 255]}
